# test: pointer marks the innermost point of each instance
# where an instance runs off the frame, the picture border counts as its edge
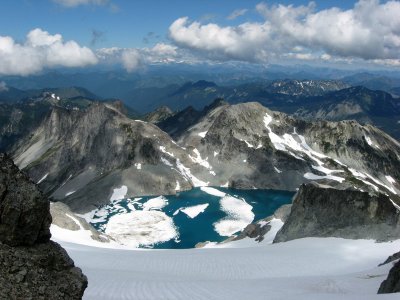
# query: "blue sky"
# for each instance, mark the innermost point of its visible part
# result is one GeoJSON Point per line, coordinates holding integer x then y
{"type": "Point", "coordinates": [129, 22]}
{"type": "Point", "coordinates": [42, 34]}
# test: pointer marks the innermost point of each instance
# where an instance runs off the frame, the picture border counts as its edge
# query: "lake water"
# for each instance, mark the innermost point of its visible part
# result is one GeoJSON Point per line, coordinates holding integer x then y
{"type": "Point", "coordinates": [183, 220]}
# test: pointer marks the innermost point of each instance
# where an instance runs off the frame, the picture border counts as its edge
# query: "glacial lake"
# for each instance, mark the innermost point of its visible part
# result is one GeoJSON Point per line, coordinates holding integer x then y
{"type": "Point", "coordinates": [181, 221]}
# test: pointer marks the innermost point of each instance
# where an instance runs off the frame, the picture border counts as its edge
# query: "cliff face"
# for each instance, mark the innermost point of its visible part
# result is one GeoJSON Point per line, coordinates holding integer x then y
{"type": "Point", "coordinates": [31, 266]}
{"type": "Point", "coordinates": [328, 212]}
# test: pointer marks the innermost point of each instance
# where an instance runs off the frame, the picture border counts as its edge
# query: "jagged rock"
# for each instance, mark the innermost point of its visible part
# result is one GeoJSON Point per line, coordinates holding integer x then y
{"type": "Point", "coordinates": [31, 266]}
{"type": "Point", "coordinates": [391, 258]}
{"type": "Point", "coordinates": [24, 211]}
{"type": "Point", "coordinates": [326, 212]}
{"type": "Point", "coordinates": [392, 282]}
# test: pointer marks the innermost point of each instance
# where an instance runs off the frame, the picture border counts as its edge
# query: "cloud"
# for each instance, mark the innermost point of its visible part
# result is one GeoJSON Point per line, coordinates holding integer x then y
{"type": "Point", "coordinates": [41, 50]}
{"type": "Point", "coordinates": [3, 86]}
{"type": "Point", "coordinates": [134, 59]}
{"type": "Point", "coordinates": [131, 59]}
{"type": "Point", "coordinates": [237, 13]}
{"type": "Point", "coordinates": [368, 31]}
{"type": "Point", "coordinates": [74, 3]}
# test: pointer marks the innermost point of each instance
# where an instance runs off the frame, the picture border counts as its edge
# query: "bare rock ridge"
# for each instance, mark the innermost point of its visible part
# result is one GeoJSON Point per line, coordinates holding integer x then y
{"type": "Point", "coordinates": [327, 212]}
{"type": "Point", "coordinates": [31, 266]}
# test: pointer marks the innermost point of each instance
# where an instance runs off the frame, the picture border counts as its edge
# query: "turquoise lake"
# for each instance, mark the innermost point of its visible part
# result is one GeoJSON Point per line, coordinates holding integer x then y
{"type": "Point", "coordinates": [200, 228]}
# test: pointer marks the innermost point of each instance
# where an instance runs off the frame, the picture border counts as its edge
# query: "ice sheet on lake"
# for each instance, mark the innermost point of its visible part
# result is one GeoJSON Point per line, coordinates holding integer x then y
{"type": "Point", "coordinates": [141, 228]}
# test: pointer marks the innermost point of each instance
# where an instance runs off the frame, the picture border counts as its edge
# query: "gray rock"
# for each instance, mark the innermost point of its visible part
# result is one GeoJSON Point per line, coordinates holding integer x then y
{"type": "Point", "coordinates": [31, 266]}
{"type": "Point", "coordinates": [41, 271]}
{"type": "Point", "coordinates": [328, 212]}
{"type": "Point", "coordinates": [392, 282]}
{"type": "Point", "coordinates": [24, 211]}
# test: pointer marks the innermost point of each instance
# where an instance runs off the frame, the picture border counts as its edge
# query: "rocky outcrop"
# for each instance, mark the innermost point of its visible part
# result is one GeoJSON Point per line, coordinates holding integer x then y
{"type": "Point", "coordinates": [326, 212]}
{"type": "Point", "coordinates": [160, 114]}
{"type": "Point", "coordinates": [392, 282]}
{"type": "Point", "coordinates": [31, 266]}
{"type": "Point", "coordinates": [24, 211]}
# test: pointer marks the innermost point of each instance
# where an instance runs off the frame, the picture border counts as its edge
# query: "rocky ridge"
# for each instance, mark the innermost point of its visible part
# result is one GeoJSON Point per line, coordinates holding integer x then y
{"type": "Point", "coordinates": [81, 157]}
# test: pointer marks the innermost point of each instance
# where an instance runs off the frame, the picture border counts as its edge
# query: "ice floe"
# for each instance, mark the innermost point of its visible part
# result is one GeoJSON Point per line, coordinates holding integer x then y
{"type": "Point", "coordinates": [155, 203]}
{"type": "Point", "coordinates": [239, 213]}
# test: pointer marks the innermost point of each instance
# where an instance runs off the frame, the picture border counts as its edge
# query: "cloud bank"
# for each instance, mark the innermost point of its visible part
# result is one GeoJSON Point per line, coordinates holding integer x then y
{"type": "Point", "coordinates": [41, 50]}
{"type": "Point", "coordinates": [368, 31]}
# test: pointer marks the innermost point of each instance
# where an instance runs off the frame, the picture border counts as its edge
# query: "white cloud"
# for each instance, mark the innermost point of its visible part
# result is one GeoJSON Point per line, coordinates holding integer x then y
{"type": "Point", "coordinates": [133, 59]}
{"type": "Point", "coordinates": [3, 86]}
{"type": "Point", "coordinates": [73, 3]}
{"type": "Point", "coordinates": [237, 13]}
{"type": "Point", "coordinates": [369, 31]}
{"type": "Point", "coordinates": [41, 50]}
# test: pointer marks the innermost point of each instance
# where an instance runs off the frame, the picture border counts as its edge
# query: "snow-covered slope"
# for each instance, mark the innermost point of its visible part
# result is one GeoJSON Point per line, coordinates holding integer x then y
{"type": "Point", "coordinates": [310, 268]}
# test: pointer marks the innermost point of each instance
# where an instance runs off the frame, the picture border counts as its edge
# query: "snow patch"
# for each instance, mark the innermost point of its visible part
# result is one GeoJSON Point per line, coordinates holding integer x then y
{"type": "Point", "coordinates": [188, 175]}
{"type": "Point", "coordinates": [277, 170]}
{"type": "Point", "coordinates": [69, 193]}
{"type": "Point", "coordinates": [203, 134]}
{"type": "Point", "coordinates": [178, 186]}
{"type": "Point", "coordinates": [390, 179]}
{"type": "Point", "coordinates": [199, 160]}
{"type": "Point", "coordinates": [138, 166]}
{"type": "Point", "coordinates": [119, 193]}
{"type": "Point", "coordinates": [312, 176]}
{"type": "Point", "coordinates": [43, 178]}
{"type": "Point", "coordinates": [162, 148]}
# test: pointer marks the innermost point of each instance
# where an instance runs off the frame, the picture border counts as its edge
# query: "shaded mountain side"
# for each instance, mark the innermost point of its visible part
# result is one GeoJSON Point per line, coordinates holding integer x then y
{"type": "Point", "coordinates": [319, 211]}
{"type": "Point", "coordinates": [31, 266]}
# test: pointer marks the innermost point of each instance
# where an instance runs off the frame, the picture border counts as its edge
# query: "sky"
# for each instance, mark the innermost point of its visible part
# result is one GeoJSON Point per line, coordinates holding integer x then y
{"type": "Point", "coordinates": [42, 34]}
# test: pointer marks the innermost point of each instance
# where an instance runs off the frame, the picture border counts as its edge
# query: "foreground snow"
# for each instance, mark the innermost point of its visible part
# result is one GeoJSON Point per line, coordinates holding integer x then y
{"type": "Point", "coordinates": [311, 268]}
